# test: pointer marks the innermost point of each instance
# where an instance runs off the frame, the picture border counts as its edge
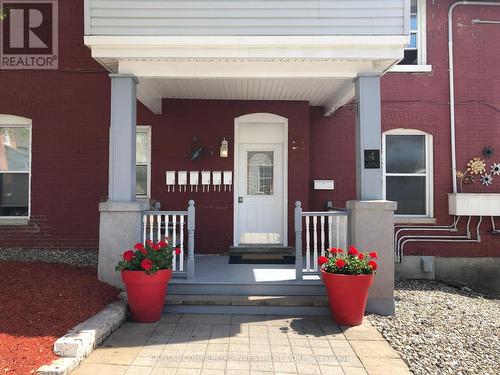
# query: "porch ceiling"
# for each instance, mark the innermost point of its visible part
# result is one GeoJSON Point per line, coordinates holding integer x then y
{"type": "Point", "coordinates": [330, 93]}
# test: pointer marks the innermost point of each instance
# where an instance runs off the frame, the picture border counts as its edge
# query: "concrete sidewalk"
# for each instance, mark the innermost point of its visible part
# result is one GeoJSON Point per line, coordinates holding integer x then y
{"type": "Point", "coordinates": [243, 344]}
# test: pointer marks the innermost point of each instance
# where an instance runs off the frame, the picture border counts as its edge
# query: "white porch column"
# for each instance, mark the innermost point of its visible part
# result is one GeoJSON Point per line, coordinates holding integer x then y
{"type": "Point", "coordinates": [122, 138]}
{"type": "Point", "coordinates": [371, 228]}
{"type": "Point", "coordinates": [120, 217]}
{"type": "Point", "coordinates": [368, 138]}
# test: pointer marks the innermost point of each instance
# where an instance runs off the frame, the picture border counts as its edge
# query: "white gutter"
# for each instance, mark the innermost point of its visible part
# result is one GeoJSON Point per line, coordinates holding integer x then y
{"type": "Point", "coordinates": [452, 83]}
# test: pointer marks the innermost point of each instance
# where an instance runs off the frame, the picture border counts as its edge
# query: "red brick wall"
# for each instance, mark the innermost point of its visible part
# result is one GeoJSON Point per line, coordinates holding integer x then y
{"type": "Point", "coordinates": [210, 121]}
{"type": "Point", "coordinates": [70, 113]}
{"type": "Point", "coordinates": [420, 101]}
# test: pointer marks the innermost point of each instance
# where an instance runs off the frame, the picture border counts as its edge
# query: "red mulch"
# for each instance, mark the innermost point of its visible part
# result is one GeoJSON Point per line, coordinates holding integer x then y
{"type": "Point", "coordinates": [39, 303]}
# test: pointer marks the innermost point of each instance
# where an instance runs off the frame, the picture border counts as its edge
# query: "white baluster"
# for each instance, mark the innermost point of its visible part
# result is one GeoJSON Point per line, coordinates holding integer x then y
{"type": "Point", "coordinates": [330, 234]}
{"type": "Point", "coordinates": [181, 237]}
{"type": "Point", "coordinates": [174, 237]}
{"type": "Point", "coordinates": [315, 243]}
{"type": "Point", "coordinates": [158, 228]}
{"type": "Point", "coordinates": [144, 225]}
{"type": "Point", "coordinates": [322, 219]}
{"type": "Point", "coordinates": [343, 219]}
{"type": "Point", "coordinates": [308, 246]}
{"type": "Point", "coordinates": [337, 227]}
{"type": "Point", "coordinates": [151, 225]}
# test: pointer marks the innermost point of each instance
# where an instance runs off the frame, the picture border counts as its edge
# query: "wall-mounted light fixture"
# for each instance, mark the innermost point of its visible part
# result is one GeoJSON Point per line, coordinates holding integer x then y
{"type": "Point", "coordinates": [224, 149]}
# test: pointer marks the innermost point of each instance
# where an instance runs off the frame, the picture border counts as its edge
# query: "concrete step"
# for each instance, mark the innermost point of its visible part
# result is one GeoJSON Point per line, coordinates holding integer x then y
{"type": "Point", "coordinates": [261, 251]}
{"type": "Point", "coordinates": [246, 304]}
{"type": "Point", "coordinates": [311, 288]}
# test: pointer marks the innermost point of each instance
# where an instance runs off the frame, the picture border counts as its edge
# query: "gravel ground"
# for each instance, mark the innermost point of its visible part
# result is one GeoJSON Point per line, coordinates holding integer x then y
{"type": "Point", "coordinates": [81, 258]}
{"type": "Point", "coordinates": [439, 329]}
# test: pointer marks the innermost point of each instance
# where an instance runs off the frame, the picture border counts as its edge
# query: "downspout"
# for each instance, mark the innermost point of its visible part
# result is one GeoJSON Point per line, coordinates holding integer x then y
{"type": "Point", "coordinates": [452, 83]}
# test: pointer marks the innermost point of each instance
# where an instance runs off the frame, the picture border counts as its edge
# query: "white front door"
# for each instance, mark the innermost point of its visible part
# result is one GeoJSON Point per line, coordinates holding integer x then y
{"type": "Point", "coordinates": [260, 193]}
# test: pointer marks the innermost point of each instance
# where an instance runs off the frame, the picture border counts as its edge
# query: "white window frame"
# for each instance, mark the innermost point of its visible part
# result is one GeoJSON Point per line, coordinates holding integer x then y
{"type": "Point", "coordinates": [11, 121]}
{"type": "Point", "coordinates": [429, 163]}
{"type": "Point", "coordinates": [146, 129]}
{"type": "Point", "coordinates": [421, 66]}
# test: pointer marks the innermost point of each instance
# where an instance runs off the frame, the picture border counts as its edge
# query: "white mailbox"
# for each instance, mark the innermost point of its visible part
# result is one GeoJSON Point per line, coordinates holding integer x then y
{"type": "Point", "coordinates": [170, 180]}
{"type": "Point", "coordinates": [182, 180]}
{"type": "Point", "coordinates": [205, 180]}
{"type": "Point", "coordinates": [217, 179]}
{"type": "Point", "coordinates": [323, 185]}
{"type": "Point", "coordinates": [228, 179]}
{"type": "Point", "coordinates": [194, 179]}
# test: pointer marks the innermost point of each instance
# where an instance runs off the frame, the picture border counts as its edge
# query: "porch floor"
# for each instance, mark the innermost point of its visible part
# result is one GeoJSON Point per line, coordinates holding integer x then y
{"type": "Point", "coordinates": [216, 269]}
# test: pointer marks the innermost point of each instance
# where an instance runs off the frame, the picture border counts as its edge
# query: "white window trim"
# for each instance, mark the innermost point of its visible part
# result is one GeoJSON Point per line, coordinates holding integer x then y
{"type": "Point", "coordinates": [146, 129]}
{"type": "Point", "coordinates": [422, 66]}
{"type": "Point", "coordinates": [429, 163]}
{"type": "Point", "coordinates": [12, 121]}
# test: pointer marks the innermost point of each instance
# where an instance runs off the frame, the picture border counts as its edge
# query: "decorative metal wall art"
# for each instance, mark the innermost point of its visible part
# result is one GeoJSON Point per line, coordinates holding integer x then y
{"type": "Point", "coordinates": [477, 166]}
{"type": "Point", "coordinates": [198, 151]}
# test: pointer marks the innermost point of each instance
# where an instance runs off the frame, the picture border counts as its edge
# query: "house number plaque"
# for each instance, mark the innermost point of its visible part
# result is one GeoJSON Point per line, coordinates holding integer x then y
{"type": "Point", "coordinates": [372, 159]}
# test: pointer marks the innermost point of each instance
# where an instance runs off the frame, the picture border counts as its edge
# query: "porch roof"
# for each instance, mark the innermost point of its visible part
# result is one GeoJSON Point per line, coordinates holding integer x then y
{"type": "Point", "coordinates": [318, 69]}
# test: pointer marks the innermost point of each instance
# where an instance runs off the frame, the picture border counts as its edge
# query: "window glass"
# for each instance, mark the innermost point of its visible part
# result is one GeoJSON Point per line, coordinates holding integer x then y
{"type": "Point", "coordinates": [14, 193]}
{"type": "Point", "coordinates": [142, 147]}
{"type": "Point", "coordinates": [14, 149]}
{"type": "Point", "coordinates": [143, 162]}
{"type": "Point", "coordinates": [411, 51]}
{"type": "Point", "coordinates": [260, 172]}
{"type": "Point", "coordinates": [409, 192]}
{"type": "Point", "coordinates": [405, 154]}
{"type": "Point", "coordinates": [141, 187]}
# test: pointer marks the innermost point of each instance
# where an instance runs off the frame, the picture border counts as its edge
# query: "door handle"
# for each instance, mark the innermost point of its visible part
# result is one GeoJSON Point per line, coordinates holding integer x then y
{"type": "Point", "coordinates": [240, 199]}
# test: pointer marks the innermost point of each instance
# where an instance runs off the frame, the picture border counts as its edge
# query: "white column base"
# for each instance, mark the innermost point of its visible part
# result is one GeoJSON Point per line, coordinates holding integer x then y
{"type": "Point", "coordinates": [119, 230]}
{"type": "Point", "coordinates": [371, 228]}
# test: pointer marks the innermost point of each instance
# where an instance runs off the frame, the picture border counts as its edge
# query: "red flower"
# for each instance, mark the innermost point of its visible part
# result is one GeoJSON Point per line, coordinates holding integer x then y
{"type": "Point", "coordinates": [162, 244]}
{"type": "Point", "coordinates": [149, 242]}
{"type": "Point", "coordinates": [156, 247]}
{"type": "Point", "coordinates": [353, 251]}
{"type": "Point", "coordinates": [361, 256]}
{"type": "Point", "coordinates": [339, 263]}
{"type": "Point", "coordinates": [128, 255]}
{"type": "Point", "coordinates": [373, 255]}
{"type": "Point", "coordinates": [147, 264]}
{"type": "Point", "coordinates": [177, 251]}
{"type": "Point", "coordinates": [373, 265]}
{"type": "Point", "coordinates": [143, 251]}
{"type": "Point", "coordinates": [334, 250]}
{"type": "Point", "coordinates": [138, 246]}
{"type": "Point", "coordinates": [322, 260]}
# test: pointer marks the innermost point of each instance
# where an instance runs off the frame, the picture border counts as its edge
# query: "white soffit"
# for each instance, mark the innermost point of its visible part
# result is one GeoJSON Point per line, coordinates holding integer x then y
{"type": "Point", "coordinates": [319, 69]}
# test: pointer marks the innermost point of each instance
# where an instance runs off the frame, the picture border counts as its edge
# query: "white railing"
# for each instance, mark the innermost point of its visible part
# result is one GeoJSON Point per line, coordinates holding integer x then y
{"type": "Point", "coordinates": [179, 227]}
{"type": "Point", "coordinates": [323, 230]}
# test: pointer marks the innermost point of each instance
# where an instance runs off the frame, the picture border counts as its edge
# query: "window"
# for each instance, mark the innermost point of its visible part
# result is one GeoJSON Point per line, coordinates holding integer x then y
{"type": "Point", "coordinates": [260, 173]}
{"type": "Point", "coordinates": [415, 55]}
{"type": "Point", "coordinates": [408, 171]}
{"type": "Point", "coordinates": [15, 167]}
{"type": "Point", "coordinates": [143, 162]}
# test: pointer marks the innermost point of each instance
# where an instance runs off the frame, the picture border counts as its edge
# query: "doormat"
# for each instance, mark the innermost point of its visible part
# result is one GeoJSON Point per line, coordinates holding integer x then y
{"type": "Point", "coordinates": [237, 259]}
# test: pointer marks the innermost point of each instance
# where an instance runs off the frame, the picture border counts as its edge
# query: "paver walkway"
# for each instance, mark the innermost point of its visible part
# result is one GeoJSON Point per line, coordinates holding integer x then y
{"type": "Point", "coordinates": [243, 344]}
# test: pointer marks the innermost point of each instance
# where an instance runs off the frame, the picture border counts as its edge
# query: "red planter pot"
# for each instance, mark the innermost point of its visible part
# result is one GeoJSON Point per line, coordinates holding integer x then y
{"type": "Point", "coordinates": [347, 295]}
{"type": "Point", "coordinates": [146, 294]}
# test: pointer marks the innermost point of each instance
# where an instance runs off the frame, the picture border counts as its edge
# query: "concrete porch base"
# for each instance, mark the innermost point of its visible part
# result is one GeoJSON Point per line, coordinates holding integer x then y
{"type": "Point", "coordinates": [254, 289]}
{"type": "Point", "coordinates": [480, 274]}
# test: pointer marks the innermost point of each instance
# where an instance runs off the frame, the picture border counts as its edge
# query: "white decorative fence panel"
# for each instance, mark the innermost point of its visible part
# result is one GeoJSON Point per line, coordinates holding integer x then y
{"type": "Point", "coordinates": [322, 230]}
{"type": "Point", "coordinates": [178, 227]}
